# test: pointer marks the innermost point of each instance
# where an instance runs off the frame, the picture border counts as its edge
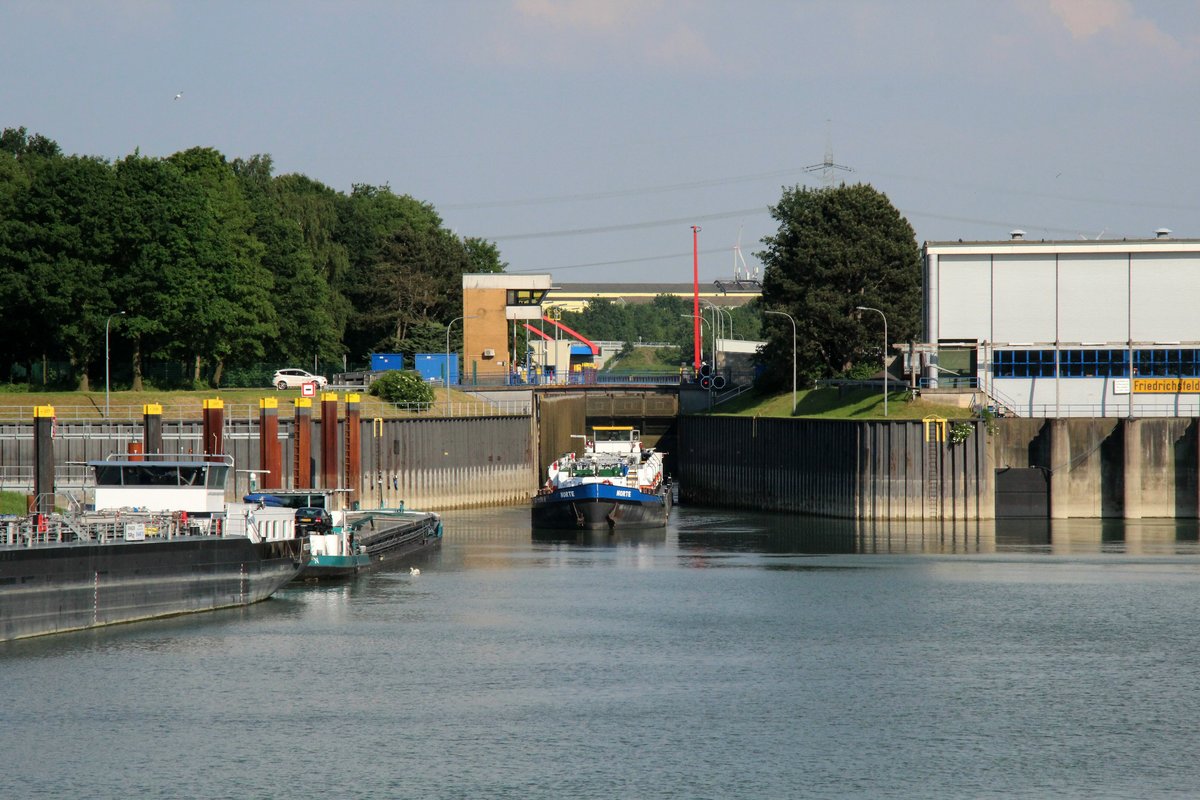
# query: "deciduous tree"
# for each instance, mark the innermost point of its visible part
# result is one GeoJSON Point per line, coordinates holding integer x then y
{"type": "Point", "coordinates": [835, 249]}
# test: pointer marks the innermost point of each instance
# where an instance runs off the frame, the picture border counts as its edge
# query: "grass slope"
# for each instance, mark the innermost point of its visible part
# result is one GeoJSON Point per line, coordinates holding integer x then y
{"type": "Point", "coordinates": [833, 403]}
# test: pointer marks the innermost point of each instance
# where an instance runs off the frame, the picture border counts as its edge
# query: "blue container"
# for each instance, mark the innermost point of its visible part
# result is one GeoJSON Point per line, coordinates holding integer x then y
{"type": "Point", "coordinates": [382, 362]}
{"type": "Point", "coordinates": [432, 366]}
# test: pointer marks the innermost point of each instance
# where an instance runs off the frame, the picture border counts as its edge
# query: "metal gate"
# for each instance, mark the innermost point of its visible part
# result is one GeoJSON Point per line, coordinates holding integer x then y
{"type": "Point", "coordinates": [1022, 493]}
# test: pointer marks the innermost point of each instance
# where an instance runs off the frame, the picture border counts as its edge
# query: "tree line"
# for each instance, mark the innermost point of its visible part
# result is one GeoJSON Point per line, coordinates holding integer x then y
{"type": "Point", "coordinates": [213, 263]}
{"type": "Point", "coordinates": [216, 264]}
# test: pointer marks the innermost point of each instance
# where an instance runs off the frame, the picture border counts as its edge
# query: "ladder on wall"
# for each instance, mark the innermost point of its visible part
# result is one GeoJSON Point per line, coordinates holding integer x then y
{"type": "Point", "coordinates": [935, 437]}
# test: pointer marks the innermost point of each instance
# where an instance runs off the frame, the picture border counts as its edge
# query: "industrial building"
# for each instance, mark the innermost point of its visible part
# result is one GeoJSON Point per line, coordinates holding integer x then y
{"type": "Point", "coordinates": [1087, 328]}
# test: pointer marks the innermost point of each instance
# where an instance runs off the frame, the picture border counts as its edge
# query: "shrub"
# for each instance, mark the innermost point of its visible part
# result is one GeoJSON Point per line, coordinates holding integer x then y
{"type": "Point", "coordinates": [402, 386]}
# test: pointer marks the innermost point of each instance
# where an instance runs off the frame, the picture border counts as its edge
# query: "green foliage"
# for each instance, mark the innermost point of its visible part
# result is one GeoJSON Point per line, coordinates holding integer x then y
{"type": "Point", "coordinates": [217, 265]}
{"type": "Point", "coordinates": [837, 249]}
{"type": "Point", "coordinates": [960, 432]}
{"type": "Point", "coordinates": [863, 370]}
{"type": "Point", "coordinates": [402, 386]}
{"type": "Point", "coordinates": [14, 503]}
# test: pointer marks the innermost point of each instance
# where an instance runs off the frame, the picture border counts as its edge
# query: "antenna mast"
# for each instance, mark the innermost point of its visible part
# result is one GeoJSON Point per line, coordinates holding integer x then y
{"type": "Point", "coordinates": [827, 167]}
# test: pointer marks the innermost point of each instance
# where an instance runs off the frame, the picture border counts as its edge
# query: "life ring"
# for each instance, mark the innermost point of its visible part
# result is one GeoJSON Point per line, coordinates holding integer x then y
{"type": "Point", "coordinates": [608, 483]}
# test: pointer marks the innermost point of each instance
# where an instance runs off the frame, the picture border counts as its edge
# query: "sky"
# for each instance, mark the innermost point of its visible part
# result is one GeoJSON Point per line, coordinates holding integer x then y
{"type": "Point", "coordinates": [587, 137]}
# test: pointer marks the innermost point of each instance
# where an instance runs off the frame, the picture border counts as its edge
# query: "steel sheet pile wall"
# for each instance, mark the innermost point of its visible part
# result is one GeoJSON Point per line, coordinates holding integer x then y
{"type": "Point", "coordinates": [559, 418]}
{"type": "Point", "coordinates": [447, 463]}
{"type": "Point", "coordinates": [869, 470]}
{"type": "Point", "coordinates": [773, 464]}
{"type": "Point", "coordinates": [426, 463]}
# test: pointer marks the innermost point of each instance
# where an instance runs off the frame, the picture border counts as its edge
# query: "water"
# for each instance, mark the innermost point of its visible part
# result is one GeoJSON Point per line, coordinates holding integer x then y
{"type": "Point", "coordinates": [733, 656]}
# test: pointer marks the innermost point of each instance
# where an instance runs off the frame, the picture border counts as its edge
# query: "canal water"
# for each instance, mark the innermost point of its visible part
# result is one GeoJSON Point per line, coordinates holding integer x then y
{"type": "Point", "coordinates": [732, 656]}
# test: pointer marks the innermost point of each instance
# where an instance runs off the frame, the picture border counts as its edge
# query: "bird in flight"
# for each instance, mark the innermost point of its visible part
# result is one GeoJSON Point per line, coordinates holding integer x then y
{"type": "Point", "coordinates": [179, 95]}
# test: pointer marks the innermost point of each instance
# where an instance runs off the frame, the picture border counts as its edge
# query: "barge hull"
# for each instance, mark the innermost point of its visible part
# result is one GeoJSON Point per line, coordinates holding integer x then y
{"type": "Point", "coordinates": [380, 539]}
{"type": "Point", "coordinates": [65, 587]}
{"type": "Point", "coordinates": [596, 507]}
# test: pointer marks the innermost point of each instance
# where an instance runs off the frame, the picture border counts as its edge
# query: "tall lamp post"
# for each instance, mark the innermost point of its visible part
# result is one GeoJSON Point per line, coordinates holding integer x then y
{"type": "Point", "coordinates": [106, 324]}
{"type": "Point", "coordinates": [789, 316]}
{"type": "Point", "coordinates": [885, 342]}
{"type": "Point", "coordinates": [698, 356]}
{"type": "Point", "coordinates": [448, 327]}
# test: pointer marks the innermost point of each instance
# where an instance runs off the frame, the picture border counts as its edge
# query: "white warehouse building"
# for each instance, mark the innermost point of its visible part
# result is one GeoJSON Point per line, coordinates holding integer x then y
{"type": "Point", "coordinates": [1084, 328]}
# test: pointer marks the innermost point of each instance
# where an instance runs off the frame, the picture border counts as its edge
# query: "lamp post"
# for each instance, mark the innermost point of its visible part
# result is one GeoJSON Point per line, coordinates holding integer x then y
{"type": "Point", "coordinates": [448, 327]}
{"type": "Point", "coordinates": [717, 327]}
{"type": "Point", "coordinates": [698, 356]}
{"type": "Point", "coordinates": [106, 324]}
{"type": "Point", "coordinates": [885, 342]}
{"type": "Point", "coordinates": [789, 316]}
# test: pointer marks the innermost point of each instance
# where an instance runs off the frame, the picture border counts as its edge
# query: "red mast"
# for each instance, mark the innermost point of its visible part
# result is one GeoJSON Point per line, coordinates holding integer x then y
{"type": "Point", "coordinates": [696, 298]}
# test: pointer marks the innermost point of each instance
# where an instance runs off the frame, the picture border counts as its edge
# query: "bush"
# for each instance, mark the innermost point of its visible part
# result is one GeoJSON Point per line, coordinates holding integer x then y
{"type": "Point", "coordinates": [402, 386]}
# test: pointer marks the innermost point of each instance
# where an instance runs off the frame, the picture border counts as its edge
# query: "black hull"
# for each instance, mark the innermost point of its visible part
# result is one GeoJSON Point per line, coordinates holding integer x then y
{"type": "Point", "coordinates": [593, 514]}
{"type": "Point", "coordinates": [57, 588]}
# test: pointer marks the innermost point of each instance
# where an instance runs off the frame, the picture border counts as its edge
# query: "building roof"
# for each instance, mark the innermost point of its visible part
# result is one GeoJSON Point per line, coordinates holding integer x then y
{"type": "Point", "coordinates": [648, 291]}
{"type": "Point", "coordinates": [1021, 244]}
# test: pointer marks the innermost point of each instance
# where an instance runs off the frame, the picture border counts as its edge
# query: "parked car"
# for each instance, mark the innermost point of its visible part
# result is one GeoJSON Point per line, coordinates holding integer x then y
{"type": "Point", "coordinates": [294, 378]}
{"type": "Point", "coordinates": [313, 520]}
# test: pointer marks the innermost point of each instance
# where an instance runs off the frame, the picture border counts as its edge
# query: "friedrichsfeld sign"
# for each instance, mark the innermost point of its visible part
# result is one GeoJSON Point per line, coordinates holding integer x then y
{"type": "Point", "coordinates": [1166, 385]}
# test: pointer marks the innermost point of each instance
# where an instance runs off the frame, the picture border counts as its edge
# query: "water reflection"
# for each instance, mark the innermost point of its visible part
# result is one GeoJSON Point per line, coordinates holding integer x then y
{"type": "Point", "coordinates": [616, 538]}
{"type": "Point", "coordinates": [496, 536]}
{"type": "Point", "coordinates": [788, 534]}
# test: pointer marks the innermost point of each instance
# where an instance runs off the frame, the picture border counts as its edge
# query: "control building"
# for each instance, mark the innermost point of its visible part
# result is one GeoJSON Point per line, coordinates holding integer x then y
{"type": "Point", "coordinates": [1086, 328]}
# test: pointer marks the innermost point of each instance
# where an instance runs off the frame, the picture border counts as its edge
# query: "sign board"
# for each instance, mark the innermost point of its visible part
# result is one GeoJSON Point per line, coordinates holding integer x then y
{"type": "Point", "coordinates": [1166, 385]}
{"type": "Point", "coordinates": [1120, 385]}
{"type": "Point", "coordinates": [308, 389]}
{"type": "Point", "coordinates": [135, 532]}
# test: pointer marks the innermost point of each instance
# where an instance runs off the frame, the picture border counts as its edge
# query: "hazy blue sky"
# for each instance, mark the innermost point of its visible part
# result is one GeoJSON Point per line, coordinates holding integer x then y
{"type": "Point", "coordinates": [586, 136]}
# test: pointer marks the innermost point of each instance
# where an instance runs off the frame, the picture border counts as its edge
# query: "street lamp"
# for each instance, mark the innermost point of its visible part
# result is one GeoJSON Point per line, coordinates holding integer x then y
{"type": "Point", "coordinates": [106, 324]}
{"type": "Point", "coordinates": [448, 327]}
{"type": "Point", "coordinates": [699, 355]}
{"type": "Point", "coordinates": [885, 341]}
{"type": "Point", "coordinates": [789, 316]}
{"type": "Point", "coordinates": [717, 327]}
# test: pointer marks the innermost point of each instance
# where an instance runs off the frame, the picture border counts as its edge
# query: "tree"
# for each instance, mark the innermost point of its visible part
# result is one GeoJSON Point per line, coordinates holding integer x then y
{"type": "Point", "coordinates": [405, 269]}
{"type": "Point", "coordinates": [304, 304]}
{"type": "Point", "coordinates": [836, 248]}
{"type": "Point", "coordinates": [159, 213]}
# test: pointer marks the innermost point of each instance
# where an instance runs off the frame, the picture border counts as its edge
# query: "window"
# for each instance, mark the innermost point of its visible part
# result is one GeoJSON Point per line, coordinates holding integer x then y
{"type": "Point", "coordinates": [1162, 363]}
{"type": "Point", "coordinates": [1023, 364]}
{"type": "Point", "coordinates": [525, 297]}
{"type": "Point", "coordinates": [1094, 363]}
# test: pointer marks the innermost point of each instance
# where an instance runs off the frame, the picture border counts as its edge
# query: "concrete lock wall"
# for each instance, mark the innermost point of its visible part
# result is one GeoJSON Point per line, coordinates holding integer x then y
{"type": "Point", "coordinates": [869, 470]}
{"type": "Point", "coordinates": [1129, 468]}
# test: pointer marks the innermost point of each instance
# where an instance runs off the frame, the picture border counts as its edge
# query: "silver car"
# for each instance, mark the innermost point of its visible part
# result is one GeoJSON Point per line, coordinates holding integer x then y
{"type": "Point", "coordinates": [295, 378]}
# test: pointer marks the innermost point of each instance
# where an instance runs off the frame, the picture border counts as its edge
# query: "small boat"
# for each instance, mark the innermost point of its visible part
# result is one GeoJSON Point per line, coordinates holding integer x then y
{"type": "Point", "coordinates": [614, 484]}
{"type": "Point", "coordinates": [342, 544]}
{"type": "Point", "coordinates": [368, 540]}
{"type": "Point", "coordinates": [158, 540]}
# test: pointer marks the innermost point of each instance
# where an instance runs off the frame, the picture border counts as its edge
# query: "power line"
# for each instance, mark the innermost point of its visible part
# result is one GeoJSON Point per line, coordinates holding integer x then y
{"type": "Point", "coordinates": [672, 187]}
{"type": "Point", "coordinates": [659, 223]}
{"type": "Point", "coordinates": [621, 261]}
